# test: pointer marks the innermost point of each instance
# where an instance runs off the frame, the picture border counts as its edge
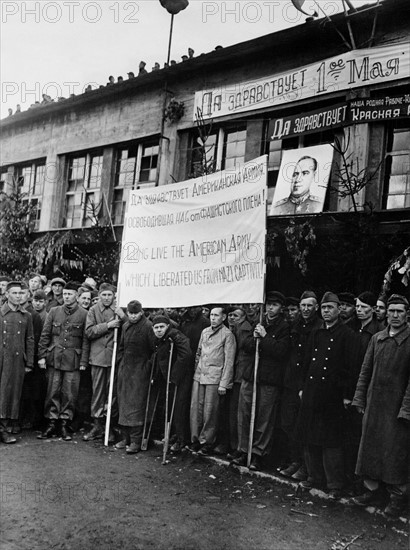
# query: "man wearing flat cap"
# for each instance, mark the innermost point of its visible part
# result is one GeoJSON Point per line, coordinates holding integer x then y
{"type": "Point", "coordinates": [16, 356]}
{"type": "Point", "coordinates": [274, 341]}
{"type": "Point", "coordinates": [320, 423]}
{"type": "Point", "coordinates": [63, 351]}
{"type": "Point", "coordinates": [383, 396]}
{"type": "Point", "coordinates": [102, 320]}
{"type": "Point", "coordinates": [55, 296]}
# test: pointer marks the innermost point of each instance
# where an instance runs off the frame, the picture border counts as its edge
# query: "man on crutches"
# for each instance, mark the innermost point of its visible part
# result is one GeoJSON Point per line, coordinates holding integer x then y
{"type": "Point", "coordinates": [170, 364]}
{"type": "Point", "coordinates": [273, 348]}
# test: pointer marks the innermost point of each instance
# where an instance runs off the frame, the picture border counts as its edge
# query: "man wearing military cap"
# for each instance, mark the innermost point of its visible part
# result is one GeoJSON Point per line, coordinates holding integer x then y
{"type": "Point", "coordinates": [274, 341]}
{"type": "Point", "coordinates": [55, 296]}
{"type": "Point", "coordinates": [320, 424]}
{"type": "Point", "coordinates": [16, 356]}
{"type": "Point", "coordinates": [63, 350]}
{"type": "Point", "coordinates": [300, 200]}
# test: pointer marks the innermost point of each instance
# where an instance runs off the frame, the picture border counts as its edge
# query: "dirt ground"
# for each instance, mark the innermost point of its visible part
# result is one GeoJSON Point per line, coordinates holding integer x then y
{"type": "Point", "coordinates": [76, 495]}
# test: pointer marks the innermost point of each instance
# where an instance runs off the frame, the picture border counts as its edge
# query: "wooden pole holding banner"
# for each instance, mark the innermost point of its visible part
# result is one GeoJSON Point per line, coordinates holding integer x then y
{"type": "Point", "coordinates": [167, 428]}
{"type": "Point", "coordinates": [254, 391]}
{"type": "Point", "coordinates": [111, 390]}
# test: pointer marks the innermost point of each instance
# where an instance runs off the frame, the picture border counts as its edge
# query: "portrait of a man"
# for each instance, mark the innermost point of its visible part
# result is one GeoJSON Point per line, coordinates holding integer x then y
{"type": "Point", "coordinates": [302, 182]}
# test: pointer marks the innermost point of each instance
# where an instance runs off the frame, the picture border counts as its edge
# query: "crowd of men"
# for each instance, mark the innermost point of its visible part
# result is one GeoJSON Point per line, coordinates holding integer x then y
{"type": "Point", "coordinates": [331, 395]}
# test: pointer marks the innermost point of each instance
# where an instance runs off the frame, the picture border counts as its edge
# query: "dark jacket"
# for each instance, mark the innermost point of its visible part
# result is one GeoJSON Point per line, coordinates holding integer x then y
{"type": "Point", "coordinates": [181, 356]}
{"type": "Point", "coordinates": [62, 342]}
{"type": "Point", "coordinates": [299, 335]}
{"type": "Point", "coordinates": [273, 353]}
{"type": "Point", "coordinates": [383, 391]}
{"type": "Point", "coordinates": [327, 362]}
{"type": "Point", "coordinates": [245, 350]}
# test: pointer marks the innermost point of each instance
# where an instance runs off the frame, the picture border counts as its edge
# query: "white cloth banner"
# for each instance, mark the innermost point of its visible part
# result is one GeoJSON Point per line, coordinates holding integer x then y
{"type": "Point", "coordinates": [349, 70]}
{"type": "Point", "coordinates": [196, 242]}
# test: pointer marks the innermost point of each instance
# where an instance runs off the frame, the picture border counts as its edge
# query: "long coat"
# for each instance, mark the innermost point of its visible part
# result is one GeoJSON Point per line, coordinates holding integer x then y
{"type": "Point", "coordinates": [134, 369]}
{"type": "Point", "coordinates": [327, 360]}
{"type": "Point", "coordinates": [63, 343]}
{"type": "Point", "coordinates": [383, 390]}
{"type": "Point", "coordinates": [16, 354]}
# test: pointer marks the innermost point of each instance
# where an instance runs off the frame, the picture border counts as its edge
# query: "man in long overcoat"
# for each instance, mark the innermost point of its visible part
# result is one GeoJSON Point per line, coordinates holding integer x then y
{"type": "Point", "coordinates": [383, 395]}
{"type": "Point", "coordinates": [63, 351]}
{"type": "Point", "coordinates": [321, 415]}
{"type": "Point", "coordinates": [16, 357]}
{"type": "Point", "coordinates": [134, 369]}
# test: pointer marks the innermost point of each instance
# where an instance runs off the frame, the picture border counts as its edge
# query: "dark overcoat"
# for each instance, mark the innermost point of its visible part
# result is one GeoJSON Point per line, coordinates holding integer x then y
{"type": "Point", "coordinates": [327, 362]}
{"type": "Point", "coordinates": [134, 369]}
{"type": "Point", "coordinates": [16, 354]}
{"type": "Point", "coordinates": [383, 391]}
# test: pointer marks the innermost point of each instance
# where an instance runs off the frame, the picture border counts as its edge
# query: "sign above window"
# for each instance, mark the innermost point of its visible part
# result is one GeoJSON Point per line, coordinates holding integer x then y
{"type": "Point", "coordinates": [350, 70]}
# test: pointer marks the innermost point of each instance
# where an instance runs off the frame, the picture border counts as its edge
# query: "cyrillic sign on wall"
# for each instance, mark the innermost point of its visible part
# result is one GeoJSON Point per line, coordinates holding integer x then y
{"type": "Point", "coordinates": [356, 111]}
{"type": "Point", "coordinates": [349, 70]}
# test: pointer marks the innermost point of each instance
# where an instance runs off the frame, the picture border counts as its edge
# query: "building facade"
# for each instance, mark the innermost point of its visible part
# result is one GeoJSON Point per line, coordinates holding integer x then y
{"type": "Point", "coordinates": [344, 82]}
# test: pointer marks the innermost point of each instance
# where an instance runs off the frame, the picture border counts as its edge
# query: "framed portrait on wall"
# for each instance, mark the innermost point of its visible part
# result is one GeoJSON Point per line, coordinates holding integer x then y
{"type": "Point", "coordinates": [302, 181]}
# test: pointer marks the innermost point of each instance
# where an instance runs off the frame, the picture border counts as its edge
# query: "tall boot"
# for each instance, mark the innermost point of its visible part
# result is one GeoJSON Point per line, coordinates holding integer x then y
{"type": "Point", "coordinates": [96, 431]}
{"type": "Point", "coordinates": [64, 432]}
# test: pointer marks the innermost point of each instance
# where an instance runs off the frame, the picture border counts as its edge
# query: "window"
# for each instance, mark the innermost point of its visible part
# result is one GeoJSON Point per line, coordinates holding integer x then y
{"type": "Point", "coordinates": [217, 149]}
{"type": "Point", "coordinates": [136, 166]}
{"type": "Point", "coordinates": [397, 169]}
{"type": "Point", "coordinates": [83, 197]}
{"type": "Point", "coordinates": [29, 179]}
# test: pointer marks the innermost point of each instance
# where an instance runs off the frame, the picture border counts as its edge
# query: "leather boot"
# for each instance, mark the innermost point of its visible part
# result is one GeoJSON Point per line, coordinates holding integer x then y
{"type": "Point", "coordinates": [49, 431]}
{"type": "Point", "coordinates": [7, 438]}
{"type": "Point", "coordinates": [64, 432]}
{"type": "Point", "coordinates": [96, 431]}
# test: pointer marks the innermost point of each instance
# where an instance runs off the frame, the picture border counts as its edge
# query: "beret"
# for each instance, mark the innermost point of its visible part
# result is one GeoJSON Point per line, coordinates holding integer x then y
{"type": "Point", "coordinates": [274, 296]}
{"type": "Point", "coordinates": [134, 307]}
{"type": "Point", "coordinates": [367, 298]}
{"type": "Point", "coordinates": [330, 297]}
{"type": "Point", "coordinates": [292, 301]}
{"type": "Point", "coordinates": [57, 281]}
{"type": "Point", "coordinates": [347, 298]}
{"type": "Point", "coordinates": [39, 294]}
{"type": "Point", "coordinates": [71, 285]}
{"type": "Point", "coordinates": [396, 299]}
{"type": "Point", "coordinates": [308, 294]}
{"type": "Point", "coordinates": [160, 319]}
